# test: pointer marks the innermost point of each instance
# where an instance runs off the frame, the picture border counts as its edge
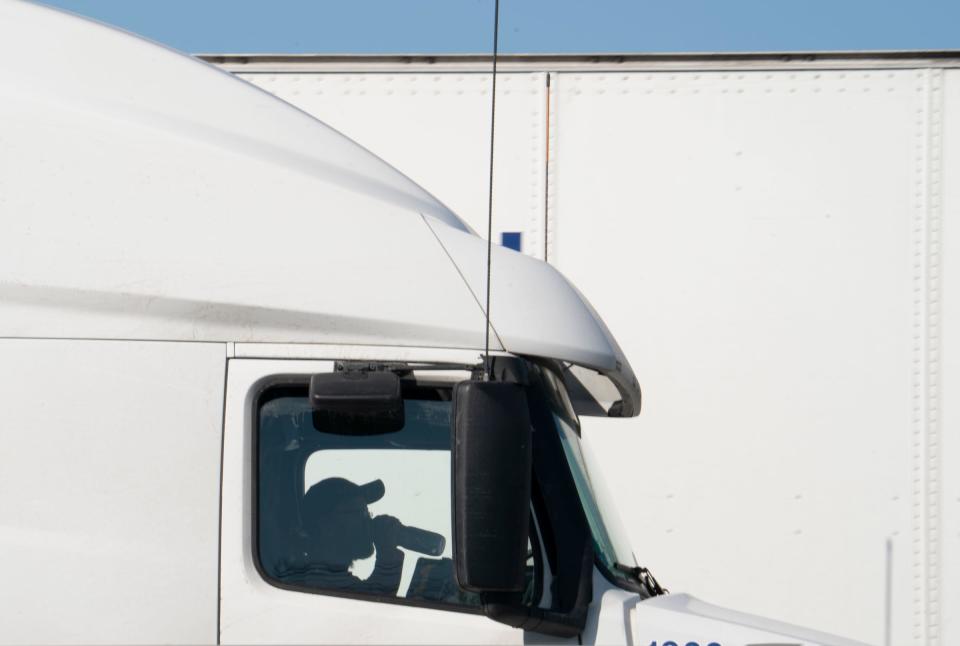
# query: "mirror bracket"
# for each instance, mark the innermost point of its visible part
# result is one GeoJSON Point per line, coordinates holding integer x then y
{"type": "Point", "coordinates": [508, 610]}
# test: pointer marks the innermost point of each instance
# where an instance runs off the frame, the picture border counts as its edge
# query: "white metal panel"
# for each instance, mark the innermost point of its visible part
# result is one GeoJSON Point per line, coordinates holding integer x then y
{"type": "Point", "coordinates": [948, 190]}
{"type": "Point", "coordinates": [253, 611]}
{"type": "Point", "coordinates": [436, 127]}
{"type": "Point", "coordinates": [750, 239]}
{"type": "Point", "coordinates": [109, 486]}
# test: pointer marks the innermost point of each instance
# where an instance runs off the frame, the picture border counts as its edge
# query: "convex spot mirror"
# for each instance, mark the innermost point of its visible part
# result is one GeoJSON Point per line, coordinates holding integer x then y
{"type": "Point", "coordinates": [492, 462]}
{"type": "Point", "coordinates": [357, 402]}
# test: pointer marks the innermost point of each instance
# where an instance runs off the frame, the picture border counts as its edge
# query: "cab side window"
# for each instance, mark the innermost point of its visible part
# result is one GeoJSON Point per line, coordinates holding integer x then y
{"type": "Point", "coordinates": [359, 515]}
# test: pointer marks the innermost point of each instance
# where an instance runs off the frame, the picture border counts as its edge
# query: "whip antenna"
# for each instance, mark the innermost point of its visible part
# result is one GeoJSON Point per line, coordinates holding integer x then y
{"type": "Point", "coordinates": [493, 117]}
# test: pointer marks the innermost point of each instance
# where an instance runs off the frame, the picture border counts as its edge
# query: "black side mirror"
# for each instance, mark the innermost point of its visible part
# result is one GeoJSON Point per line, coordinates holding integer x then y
{"type": "Point", "coordinates": [357, 402]}
{"type": "Point", "coordinates": [492, 463]}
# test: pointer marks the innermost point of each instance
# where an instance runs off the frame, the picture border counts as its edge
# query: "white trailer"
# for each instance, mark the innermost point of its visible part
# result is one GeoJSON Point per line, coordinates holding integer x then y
{"type": "Point", "coordinates": [769, 238]}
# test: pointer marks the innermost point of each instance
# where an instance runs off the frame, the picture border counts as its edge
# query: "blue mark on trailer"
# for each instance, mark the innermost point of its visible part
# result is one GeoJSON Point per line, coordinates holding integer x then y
{"type": "Point", "coordinates": [512, 240]}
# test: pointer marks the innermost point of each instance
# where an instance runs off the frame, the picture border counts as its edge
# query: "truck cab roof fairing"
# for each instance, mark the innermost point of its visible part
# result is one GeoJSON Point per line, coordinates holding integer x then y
{"type": "Point", "coordinates": [148, 195]}
{"type": "Point", "coordinates": [103, 70]}
{"type": "Point", "coordinates": [537, 312]}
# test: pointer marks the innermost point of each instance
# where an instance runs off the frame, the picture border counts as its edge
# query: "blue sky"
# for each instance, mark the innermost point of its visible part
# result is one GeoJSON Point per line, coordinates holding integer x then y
{"type": "Point", "coordinates": [457, 26]}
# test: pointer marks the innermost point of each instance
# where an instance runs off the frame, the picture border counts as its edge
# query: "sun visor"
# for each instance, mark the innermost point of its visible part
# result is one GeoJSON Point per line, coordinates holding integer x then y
{"type": "Point", "coordinates": [535, 311]}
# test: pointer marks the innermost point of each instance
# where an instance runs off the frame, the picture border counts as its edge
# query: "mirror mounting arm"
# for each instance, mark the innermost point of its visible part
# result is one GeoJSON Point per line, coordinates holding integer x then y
{"type": "Point", "coordinates": [506, 609]}
{"type": "Point", "coordinates": [548, 622]}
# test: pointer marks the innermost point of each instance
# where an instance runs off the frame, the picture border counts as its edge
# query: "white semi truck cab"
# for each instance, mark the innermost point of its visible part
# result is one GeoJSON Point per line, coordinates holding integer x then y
{"type": "Point", "coordinates": [243, 390]}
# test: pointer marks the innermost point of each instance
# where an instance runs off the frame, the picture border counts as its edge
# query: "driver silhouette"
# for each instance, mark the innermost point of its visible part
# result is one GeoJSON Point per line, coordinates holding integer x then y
{"type": "Point", "coordinates": [338, 530]}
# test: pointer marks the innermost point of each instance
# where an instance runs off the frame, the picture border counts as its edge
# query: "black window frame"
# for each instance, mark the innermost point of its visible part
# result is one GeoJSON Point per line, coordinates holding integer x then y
{"type": "Point", "coordinates": [300, 384]}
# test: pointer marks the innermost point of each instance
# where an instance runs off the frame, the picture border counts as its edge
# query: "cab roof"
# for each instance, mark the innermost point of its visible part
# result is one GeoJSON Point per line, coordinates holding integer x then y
{"type": "Point", "coordinates": [147, 195]}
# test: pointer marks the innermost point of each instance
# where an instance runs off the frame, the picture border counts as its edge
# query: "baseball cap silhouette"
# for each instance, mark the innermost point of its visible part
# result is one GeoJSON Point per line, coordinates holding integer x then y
{"type": "Point", "coordinates": [338, 495]}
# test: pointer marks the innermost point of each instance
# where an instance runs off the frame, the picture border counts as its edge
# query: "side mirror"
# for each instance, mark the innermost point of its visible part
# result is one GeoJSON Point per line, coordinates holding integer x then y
{"type": "Point", "coordinates": [356, 402]}
{"type": "Point", "coordinates": [492, 463]}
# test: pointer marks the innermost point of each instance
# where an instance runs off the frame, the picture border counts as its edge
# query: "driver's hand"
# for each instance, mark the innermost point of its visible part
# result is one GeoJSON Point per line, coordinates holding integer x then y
{"type": "Point", "coordinates": [386, 530]}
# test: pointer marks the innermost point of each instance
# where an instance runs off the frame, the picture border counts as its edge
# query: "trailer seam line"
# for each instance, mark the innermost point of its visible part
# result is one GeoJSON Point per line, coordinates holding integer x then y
{"type": "Point", "coordinates": [550, 232]}
{"type": "Point", "coordinates": [546, 169]}
{"type": "Point", "coordinates": [917, 375]}
{"type": "Point", "coordinates": [932, 342]}
{"type": "Point", "coordinates": [535, 222]}
{"type": "Point", "coordinates": [228, 352]}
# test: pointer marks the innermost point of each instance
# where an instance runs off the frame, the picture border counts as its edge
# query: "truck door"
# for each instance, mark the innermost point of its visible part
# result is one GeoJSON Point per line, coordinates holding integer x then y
{"type": "Point", "coordinates": [337, 537]}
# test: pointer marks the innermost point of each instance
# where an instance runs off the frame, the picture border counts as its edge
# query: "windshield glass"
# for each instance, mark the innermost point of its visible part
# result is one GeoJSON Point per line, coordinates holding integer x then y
{"type": "Point", "coordinates": [610, 540]}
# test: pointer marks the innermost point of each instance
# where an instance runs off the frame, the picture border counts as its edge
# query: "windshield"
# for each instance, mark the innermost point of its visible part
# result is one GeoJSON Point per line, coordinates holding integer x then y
{"type": "Point", "coordinates": [610, 540]}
